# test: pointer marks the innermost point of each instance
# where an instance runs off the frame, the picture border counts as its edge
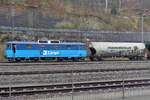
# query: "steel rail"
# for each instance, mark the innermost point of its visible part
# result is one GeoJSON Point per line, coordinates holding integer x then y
{"type": "Point", "coordinates": [70, 71]}
{"type": "Point", "coordinates": [69, 63]}
{"type": "Point", "coordinates": [67, 88]}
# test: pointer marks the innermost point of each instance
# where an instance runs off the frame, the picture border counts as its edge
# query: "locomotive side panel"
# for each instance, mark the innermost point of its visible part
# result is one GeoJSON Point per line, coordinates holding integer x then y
{"type": "Point", "coordinates": [29, 50]}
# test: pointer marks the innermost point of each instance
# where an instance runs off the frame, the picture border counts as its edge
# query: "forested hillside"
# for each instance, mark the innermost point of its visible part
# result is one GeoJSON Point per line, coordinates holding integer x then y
{"type": "Point", "coordinates": [116, 15]}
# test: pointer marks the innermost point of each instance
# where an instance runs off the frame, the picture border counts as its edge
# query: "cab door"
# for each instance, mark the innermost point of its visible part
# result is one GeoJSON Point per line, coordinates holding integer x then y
{"type": "Point", "coordinates": [14, 48]}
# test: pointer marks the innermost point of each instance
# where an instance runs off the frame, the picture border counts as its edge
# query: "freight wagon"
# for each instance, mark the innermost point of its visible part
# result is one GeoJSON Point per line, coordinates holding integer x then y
{"type": "Point", "coordinates": [134, 51]}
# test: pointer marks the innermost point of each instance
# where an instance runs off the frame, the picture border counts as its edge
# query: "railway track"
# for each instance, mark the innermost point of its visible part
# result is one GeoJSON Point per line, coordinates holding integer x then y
{"type": "Point", "coordinates": [55, 68]}
{"type": "Point", "coordinates": [71, 71]}
{"type": "Point", "coordinates": [67, 63]}
{"type": "Point", "coordinates": [72, 87]}
{"type": "Point", "coordinates": [68, 67]}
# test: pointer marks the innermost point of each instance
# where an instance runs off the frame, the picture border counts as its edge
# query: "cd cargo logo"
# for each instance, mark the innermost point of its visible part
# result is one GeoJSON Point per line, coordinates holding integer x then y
{"type": "Point", "coordinates": [46, 53]}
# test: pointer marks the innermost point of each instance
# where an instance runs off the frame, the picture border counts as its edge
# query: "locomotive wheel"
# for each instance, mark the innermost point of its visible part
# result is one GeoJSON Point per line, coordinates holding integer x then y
{"type": "Point", "coordinates": [60, 59]}
{"type": "Point", "coordinates": [10, 60]}
{"type": "Point", "coordinates": [136, 58]}
{"type": "Point", "coordinates": [91, 58]}
{"type": "Point", "coordinates": [75, 59]}
{"type": "Point", "coordinates": [99, 58]}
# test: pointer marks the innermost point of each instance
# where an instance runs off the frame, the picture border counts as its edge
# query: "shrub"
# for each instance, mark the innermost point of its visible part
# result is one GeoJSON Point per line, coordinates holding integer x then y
{"type": "Point", "coordinates": [66, 25]}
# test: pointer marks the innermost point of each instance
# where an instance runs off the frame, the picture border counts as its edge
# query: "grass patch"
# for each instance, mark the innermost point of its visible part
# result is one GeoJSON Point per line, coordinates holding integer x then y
{"type": "Point", "coordinates": [2, 58]}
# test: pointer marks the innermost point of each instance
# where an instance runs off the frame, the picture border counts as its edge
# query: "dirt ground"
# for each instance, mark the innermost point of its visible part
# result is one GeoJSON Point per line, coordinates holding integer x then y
{"type": "Point", "coordinates": [2, 52]}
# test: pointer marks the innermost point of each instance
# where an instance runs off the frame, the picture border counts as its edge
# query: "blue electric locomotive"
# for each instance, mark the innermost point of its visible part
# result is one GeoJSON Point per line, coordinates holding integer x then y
{"type": "Point", "coordinates": [19, 50]}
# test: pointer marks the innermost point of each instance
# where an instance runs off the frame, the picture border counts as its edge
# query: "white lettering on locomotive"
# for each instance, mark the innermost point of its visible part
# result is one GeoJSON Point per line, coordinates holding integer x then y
{"type": "Point", "coordinates": [46, 52]}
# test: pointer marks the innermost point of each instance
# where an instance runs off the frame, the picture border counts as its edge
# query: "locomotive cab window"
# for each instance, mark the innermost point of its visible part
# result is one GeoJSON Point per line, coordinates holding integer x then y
{"type": "Point", "coordinates": [8, 46]}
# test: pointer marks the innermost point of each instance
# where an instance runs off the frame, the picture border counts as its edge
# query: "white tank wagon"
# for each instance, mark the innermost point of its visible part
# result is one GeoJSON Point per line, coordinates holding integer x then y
{"type": "Point", "coordinates": [133, 51]}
